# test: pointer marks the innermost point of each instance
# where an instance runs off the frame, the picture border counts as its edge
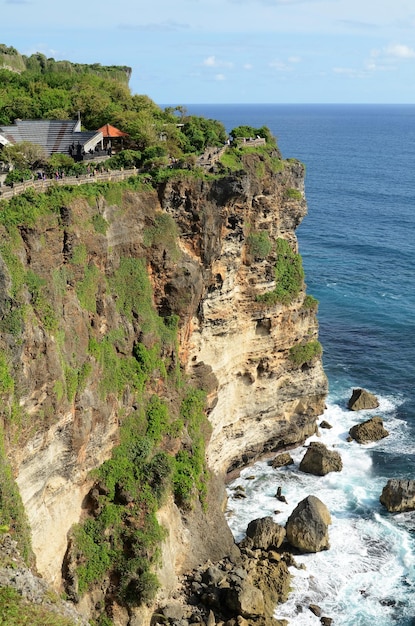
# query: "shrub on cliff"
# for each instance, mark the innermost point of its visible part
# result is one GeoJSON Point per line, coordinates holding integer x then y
{"type": "Point", "coordinates": [259, 244]}
{"type": "Point", "coordinates": [289, 276]}
{"type": "Point", "coordinates": [305, 352]}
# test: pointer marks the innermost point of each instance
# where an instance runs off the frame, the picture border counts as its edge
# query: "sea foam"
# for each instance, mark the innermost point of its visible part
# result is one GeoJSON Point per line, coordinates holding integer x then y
{"type": "Point", "coordinates": [359, 580]}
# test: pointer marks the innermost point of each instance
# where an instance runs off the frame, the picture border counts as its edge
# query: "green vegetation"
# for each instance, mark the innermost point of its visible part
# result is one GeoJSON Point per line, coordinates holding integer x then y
{"type": "Point", "coordinates": [289, 276]}
{"type": "Point", "coordinates": [15, 611]}
{"type": "Point", "coordinates": [305, 352]}
{"type": "Point", "coordinates": [37, 87]}
{"type": "Point", "coordinates": [86, 289]}
{"type": "Point", "coordinates": [293, 194]}
{"type": "Point", "coordinates": [190, 473]}
{"type": "Point", "coordinates": [12, 512]}
{"type": "Point", "coordinates": [231, 160]}
{"type": "Point", "coordinates": [236, 158]}
{"type": "Point", "coordinates": [251, 132]}
{"type": "Point", "coordinates": [37, 288]}
{"type": "Point", "coordinates": [201, 133]}
{"type": "Point", "coordinates": [123, 537]}
{"type": "Point", "coordinates": [259, 244]}
{"type": "Point", "coordinates": [100, 224]}
{"type": "Point", "coordinates": [163, 234]}
{"type": "Point", "coordinates": [310, 303]}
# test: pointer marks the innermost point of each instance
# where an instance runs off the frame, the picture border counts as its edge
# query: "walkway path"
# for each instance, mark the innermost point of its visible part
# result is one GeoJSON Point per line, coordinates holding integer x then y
{"type": "Point", "coordinates": [85, 179]}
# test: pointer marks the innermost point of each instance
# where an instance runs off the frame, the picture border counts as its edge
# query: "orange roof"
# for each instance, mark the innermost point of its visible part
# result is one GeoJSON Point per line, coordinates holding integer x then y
{"type": "Point", "coordinates": [110, 131]}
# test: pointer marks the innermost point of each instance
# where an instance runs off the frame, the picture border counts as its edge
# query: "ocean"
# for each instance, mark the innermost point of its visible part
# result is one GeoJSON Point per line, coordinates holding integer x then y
{"type": "Point", "coordinates": [357, 244]}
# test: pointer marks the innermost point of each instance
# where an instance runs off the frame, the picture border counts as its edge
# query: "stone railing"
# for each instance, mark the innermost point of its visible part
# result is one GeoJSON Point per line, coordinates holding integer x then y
{"type": "Point", "coordinates": [210, 156]}
{"type": "Point", "coordinates": [250, 142]}
{"type": "Point", "coordinates": [84, 179]}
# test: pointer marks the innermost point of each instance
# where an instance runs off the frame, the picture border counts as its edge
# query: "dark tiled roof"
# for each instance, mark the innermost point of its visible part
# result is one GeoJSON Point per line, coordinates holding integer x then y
{"type": "Point", "coordinates": [52, 135]}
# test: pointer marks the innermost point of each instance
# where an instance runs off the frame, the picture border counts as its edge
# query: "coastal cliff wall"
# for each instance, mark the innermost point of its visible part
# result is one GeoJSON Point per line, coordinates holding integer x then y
{"type": "Point", "coordinates": [263, 401]}
{"type": "Point", "coordinates": [70, 314]}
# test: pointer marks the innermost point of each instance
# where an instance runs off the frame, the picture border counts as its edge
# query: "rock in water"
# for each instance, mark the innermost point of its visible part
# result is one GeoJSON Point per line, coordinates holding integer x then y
{"type": "Point", "coordinates": [398, 495]}
{"type": "Point", "coordinates": [281, 460]}
{"type": "Point", "coordinates": [307, 526]}
{"type": "Point", "coordinates": [265, 533]}
{"type": "Point", "coordinates": [362, 399]}
{"type": "Point", "coordinates": [371, 430]}
{"type": "Point", "coordinates": [318, 460]}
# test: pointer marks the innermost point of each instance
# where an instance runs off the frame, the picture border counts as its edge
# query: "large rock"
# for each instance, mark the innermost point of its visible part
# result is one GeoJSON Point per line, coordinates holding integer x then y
{"type": "Point", "coordinates": [265, 533]}
{"type": "Point", "coordinates": [245, 599]}
{"type": "Point", "coordinates": [319, 460]}
{"type": "Point", "coordinates": [307, 526]}
{"type": "Point", "coordinates": [371, 430]}
{"type": "Point", "coordinates": [362, 399]}
{"type": "Point", "coordinates": [398, 495]}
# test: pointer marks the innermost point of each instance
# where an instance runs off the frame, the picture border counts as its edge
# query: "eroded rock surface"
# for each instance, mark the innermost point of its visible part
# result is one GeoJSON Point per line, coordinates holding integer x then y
{"type": "Point", "coordinates": [361, 400]}
{"type": "Point", "coordinates": [265, 534]}
{"type": "Point", "coordinates": [370, 430]}
{"type": "Point", "coordinates": [398, 495]}
{"type": "Point", "coordinates": [307, 526]}
{"type": "Point", "coordinates": [319, 460]}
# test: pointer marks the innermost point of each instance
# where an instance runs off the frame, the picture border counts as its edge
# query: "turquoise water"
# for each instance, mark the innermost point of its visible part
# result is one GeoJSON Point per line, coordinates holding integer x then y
{"type": "Point", "coordinates": [357, 244]}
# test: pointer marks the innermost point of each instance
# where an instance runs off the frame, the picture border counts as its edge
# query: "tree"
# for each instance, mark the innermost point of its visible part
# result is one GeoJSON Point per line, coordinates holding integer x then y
{"type": "Point", "coordinates": [24, 155]}
{"type": "Point", "coordinates": [250, 131]}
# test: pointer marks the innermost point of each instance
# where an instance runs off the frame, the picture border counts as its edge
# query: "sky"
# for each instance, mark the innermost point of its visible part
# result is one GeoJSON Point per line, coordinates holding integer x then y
{"type": "Point", "coordinates": [231, 51]}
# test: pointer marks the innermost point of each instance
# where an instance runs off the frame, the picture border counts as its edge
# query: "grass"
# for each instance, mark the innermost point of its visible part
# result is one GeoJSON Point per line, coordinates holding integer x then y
{"type": "Point", "coordinates": [15, 611]}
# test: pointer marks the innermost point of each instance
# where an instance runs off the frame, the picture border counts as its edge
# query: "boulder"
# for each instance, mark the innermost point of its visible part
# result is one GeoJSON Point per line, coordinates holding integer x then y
{"type": "Point", "coordinates": [319, 460]}
{"type": "Point", "coordinates": [307, 526]}
{"type": "Point", "coordinates": [325, 424]}
{"type": "Point", "coordinates": [371, 430]}
{"type": "Point", "coordinates": [398, 495]}
{"type": "Point", "coordinates": [265, 533]}
{"type": "Point", "coordinates": [362, 399]}
{"type": "Point", "coordinates": [246, 600]}
{"type": "Point", "coordinates": [281, 460]}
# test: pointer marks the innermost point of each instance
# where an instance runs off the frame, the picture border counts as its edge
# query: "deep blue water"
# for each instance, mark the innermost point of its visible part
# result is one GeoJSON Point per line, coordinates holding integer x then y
{"type": "Point", "coordinates": [357, 244]}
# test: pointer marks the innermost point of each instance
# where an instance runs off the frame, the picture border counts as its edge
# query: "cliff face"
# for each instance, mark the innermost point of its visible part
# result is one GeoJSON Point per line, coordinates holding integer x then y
{"type": "Point", "coordinates": [62, 413]}
{"type": "Point", "coordinates": [262, 402]}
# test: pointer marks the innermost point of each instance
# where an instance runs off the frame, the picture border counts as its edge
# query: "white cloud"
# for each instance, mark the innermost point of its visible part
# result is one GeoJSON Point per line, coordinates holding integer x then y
{"type": "Point", "coordinates": [220, 77]}
{"type": "Point", "coordinates": [248, 66]}
{"type": "Point", "coordinates": [386, 59]}
{"type": "Point", "coordinates": [212, 61]}
{"type": "Point", "coordinates": [400, 51]}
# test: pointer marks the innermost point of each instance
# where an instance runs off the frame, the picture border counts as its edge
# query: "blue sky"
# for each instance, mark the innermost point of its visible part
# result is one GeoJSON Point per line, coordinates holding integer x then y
{"type": "Point", "coordinates": [232, 51]}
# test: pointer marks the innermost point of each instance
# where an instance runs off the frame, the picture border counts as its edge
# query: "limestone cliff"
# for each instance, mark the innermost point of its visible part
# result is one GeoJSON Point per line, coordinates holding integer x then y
{"type": "Point", "coordinates": [262, 402]}
{"type": "Point", "coordinates": [69, 316]}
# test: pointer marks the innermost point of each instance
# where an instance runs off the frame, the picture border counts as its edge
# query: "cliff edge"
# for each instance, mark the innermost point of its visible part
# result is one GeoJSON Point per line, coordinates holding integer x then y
{"type": "Point", "coordinates": [119, 304]}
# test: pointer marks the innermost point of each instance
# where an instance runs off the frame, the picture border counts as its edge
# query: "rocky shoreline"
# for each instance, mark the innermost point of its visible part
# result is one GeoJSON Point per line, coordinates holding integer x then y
{"type": "Point", "coordinates": [245, 588]}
